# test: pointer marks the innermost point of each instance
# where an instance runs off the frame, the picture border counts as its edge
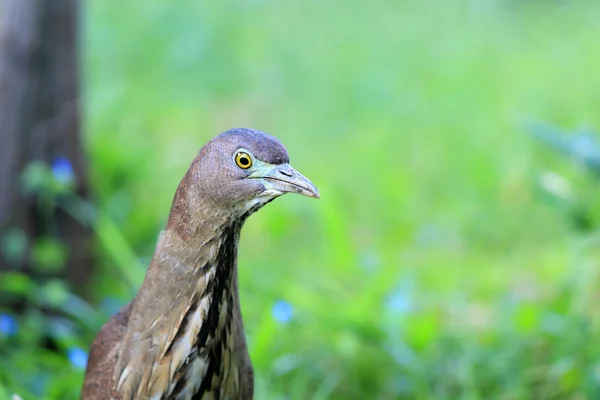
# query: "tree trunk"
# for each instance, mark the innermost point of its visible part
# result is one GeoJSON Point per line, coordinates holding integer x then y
{"type": "Point", "coordinates": [40, 122]}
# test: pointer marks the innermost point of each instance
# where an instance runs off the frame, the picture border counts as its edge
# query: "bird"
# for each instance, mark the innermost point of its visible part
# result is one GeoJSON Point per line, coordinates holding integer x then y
{"type": "Point", "coordinates": [182, 336]}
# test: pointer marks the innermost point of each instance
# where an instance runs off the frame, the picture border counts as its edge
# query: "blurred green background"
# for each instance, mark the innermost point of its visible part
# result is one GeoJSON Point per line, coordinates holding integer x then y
{"type": "Point", "coordinates": [451, 256]}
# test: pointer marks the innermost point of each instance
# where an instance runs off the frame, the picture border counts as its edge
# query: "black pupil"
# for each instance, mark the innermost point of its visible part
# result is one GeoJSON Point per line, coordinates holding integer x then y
{"type": "Point", "coordinates": [244, 160]}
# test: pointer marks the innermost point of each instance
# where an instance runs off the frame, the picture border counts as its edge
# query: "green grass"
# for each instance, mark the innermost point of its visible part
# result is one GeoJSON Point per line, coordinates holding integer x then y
{"type": "Point", "coordinates": [432, 267]}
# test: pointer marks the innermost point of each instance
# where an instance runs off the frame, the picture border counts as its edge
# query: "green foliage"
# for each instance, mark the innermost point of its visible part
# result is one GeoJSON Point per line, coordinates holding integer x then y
{"type": "Point", "coordinates": [36, 346]}
{"type": "Point", "coordinates": [450, 256]}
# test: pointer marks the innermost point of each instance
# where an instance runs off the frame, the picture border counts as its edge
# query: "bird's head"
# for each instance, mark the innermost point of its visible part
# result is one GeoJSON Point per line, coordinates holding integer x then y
{"type": "Point", "coordinates": [241, 170]}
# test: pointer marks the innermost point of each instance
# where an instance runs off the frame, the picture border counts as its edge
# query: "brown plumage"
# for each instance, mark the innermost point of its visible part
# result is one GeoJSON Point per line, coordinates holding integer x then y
{"type": "Point", "coordinates": [182, 336]}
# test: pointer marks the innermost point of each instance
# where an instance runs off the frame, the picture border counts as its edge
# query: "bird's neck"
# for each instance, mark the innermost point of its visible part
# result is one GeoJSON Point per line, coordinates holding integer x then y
{"type": "Point", "coordinates": [188, 301]}
{"type": "Point", "coordinates": [199, 242]}
{"type": "Point", "coordinates": [194, 261]}
{"type": "Point", "coordinates": [203, 256]}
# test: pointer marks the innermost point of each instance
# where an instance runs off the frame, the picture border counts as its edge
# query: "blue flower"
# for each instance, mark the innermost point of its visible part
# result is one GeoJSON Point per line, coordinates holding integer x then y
{"type": "Point", "coordinates": [282, 311]}
{"type": "Point", "coordinates": [77, 357]}
{"type": "Point", "coordinates": [8, 325]}
{"type": "Point", "coordinates": [399, 302]}
{"type": "Point", "coordinates": [62, 170]}
{"type": "Point", "coordinates": [585, 147]}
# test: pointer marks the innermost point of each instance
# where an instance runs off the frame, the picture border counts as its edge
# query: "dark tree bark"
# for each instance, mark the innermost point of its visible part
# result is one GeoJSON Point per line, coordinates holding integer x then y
{"type": "Point", "coordinates": [40, 121]}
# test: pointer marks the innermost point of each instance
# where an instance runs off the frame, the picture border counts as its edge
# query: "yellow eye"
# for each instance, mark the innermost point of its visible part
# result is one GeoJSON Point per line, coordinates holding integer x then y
{"type": "Point", "coordinates": [243, 160]}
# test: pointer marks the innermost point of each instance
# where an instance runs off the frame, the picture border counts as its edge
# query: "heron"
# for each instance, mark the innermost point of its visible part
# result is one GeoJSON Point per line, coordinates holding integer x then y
{"type": "Point", "coordinates": [182, 336]}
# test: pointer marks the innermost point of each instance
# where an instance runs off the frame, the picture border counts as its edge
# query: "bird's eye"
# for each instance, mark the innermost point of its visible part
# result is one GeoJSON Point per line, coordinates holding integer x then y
{"type": "Point", "coordinates": [243, 160]}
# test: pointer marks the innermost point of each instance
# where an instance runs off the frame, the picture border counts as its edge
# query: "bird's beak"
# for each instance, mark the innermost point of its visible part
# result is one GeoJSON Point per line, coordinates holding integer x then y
{"type": "Point", "coordinates": [285, 179]}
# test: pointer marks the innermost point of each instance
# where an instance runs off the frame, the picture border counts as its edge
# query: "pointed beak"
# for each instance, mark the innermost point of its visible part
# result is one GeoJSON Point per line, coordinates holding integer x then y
{"type": "Point", "coordinates": [285, 179]}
